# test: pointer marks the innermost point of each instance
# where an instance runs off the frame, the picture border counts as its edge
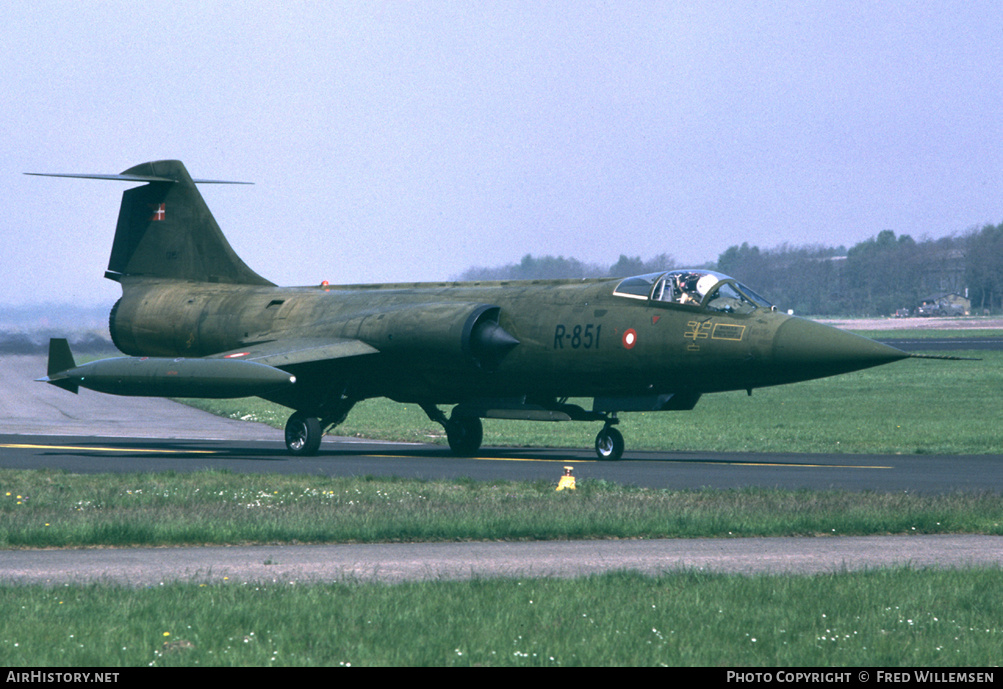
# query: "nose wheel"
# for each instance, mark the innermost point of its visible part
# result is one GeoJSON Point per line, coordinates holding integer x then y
{"type": "Point", "coordinates": [609, 444]}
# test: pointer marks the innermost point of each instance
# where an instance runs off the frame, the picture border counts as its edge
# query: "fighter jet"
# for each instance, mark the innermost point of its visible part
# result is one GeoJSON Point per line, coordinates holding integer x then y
{"type": "Point", "coordinates": [195, 321]}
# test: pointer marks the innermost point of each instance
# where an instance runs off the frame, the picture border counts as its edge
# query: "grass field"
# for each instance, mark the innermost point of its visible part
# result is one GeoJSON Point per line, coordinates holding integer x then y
{"type": "Point", "coordinates": [56, 509]}
{"type": "Point", "coordinates": [886, 618]}
{"type": "Point", "coordinates": [907, 334]}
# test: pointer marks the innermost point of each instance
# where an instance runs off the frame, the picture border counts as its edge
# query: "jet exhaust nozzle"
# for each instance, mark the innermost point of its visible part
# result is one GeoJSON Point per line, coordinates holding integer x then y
{"type": "Point", "coordinates": [489, 343]}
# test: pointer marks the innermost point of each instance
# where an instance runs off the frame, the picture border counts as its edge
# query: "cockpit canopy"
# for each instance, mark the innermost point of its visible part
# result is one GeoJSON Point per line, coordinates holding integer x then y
{"type": "Point", "coordinates": [702, 288]}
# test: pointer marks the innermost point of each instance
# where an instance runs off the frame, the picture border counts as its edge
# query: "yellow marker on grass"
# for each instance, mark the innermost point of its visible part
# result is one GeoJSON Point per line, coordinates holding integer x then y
{"type": "Point", "coordinates": [567, 481]}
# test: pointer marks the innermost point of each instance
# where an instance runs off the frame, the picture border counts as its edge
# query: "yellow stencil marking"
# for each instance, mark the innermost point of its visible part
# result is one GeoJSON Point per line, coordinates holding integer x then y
{"type": "Point", "coordinates": [727, 331]}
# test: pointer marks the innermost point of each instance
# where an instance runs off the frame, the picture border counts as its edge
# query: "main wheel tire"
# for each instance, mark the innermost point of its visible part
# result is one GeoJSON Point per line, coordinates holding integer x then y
{"type": "Point", "coordinates": [303, 434]}
{"type": "Point", "coordinates": [464, 434]}
{"type": "Point", "coordinates": [609, 445]}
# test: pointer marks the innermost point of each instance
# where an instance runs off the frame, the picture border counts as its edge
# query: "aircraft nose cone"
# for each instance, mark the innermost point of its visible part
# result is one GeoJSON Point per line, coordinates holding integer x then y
{"type": "Point", "coordinates": [804, 349]}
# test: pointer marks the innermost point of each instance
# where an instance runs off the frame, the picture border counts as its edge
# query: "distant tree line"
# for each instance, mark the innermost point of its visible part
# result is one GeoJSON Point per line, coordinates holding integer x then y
{"type": "Point", "coordinates": [550, 267]}
{"type": "Point", "coordinates": [875, 277]}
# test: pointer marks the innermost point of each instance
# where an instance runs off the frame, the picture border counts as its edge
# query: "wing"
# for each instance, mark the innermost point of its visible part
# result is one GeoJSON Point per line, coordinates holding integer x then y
{"type": "Point", "coordinates": [323, 368]}
{"type": "Point", "coordinates": [299, 350]}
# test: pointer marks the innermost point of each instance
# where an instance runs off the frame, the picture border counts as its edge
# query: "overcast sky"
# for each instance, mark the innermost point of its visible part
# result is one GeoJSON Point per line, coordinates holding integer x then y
{"type": "Point", "coordinates": [413, 140]}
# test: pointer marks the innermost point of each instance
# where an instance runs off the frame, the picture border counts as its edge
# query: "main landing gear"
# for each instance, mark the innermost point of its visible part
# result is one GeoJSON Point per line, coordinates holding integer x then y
{"type": "Point", "coordinates": [304, 430]}
{"type": "Point", "coordinates": [303, 434]}
{"type": "Point", "coordinates": [463, 433]}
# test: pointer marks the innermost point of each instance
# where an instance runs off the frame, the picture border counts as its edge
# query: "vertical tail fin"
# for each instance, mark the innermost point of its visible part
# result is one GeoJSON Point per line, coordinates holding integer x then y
{"type": "Point", "coordinates": [165, 230]}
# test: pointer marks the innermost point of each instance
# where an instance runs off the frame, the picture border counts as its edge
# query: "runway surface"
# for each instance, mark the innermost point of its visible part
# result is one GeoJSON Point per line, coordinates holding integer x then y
{"type": "Point", "coordinates": [927, 474]}
{"type": "Point", "coordinates": [41, 426]}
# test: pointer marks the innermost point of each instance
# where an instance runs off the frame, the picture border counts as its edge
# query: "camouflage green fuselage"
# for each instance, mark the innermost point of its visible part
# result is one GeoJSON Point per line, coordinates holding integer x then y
{"type": "Point", "coordinates": [576, 338]}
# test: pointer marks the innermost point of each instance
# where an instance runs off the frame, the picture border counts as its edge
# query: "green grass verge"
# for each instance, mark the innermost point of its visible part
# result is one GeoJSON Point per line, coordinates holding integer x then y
{"type": "Point", "coordinates": [888, 618]}
{"type": "Point", "coordinates": [54, 509]}
{"type": "Point", "coordinates": [910, 407]}
{"type": "Point", "coordinates": [928, 334]}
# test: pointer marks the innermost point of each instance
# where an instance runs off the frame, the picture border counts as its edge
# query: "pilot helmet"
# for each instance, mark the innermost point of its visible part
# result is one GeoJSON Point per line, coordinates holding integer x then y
{"type": "Point", "coordinates": [705, 283]}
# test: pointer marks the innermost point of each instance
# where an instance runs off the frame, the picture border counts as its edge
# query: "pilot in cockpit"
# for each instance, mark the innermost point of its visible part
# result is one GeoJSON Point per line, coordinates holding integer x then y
{"type": "Point", "coordinates": [687, 289]}
{"type": "Point", "coordinates": [693, 287]}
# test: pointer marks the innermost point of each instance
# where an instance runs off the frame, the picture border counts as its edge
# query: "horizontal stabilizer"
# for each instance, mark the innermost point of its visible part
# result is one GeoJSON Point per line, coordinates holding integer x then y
{"type": "Point", "coordinates": [129, 178]}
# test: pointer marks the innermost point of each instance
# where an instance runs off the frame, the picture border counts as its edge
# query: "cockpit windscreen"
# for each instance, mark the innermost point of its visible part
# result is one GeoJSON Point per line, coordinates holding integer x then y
{"type": "Point", "coordinates": [705, 288]}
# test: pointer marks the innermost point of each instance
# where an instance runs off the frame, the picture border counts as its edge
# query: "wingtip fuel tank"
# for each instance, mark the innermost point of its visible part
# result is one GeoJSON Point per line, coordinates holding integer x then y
{"type": "Point", "coordinates": [164, 377]}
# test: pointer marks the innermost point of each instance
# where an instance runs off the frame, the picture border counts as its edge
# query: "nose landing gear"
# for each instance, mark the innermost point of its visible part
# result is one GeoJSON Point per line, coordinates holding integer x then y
{"type": "Point", "coordinates": [609, 442]}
